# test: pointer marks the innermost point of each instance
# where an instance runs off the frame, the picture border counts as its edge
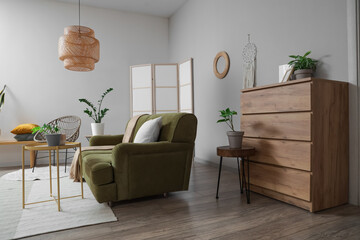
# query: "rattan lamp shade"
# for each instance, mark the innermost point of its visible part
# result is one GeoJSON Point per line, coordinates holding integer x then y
{"type": "Point", "coordinates": [79, 49]}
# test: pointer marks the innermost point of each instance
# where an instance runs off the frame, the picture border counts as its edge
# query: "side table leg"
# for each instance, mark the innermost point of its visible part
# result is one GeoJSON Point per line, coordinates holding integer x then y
{"type": "Point", "coordinates": [248, 181]}
{"type": "Point", "coordinates": [23, 177]}
{"type": "Point", "coordinates": [50, 173]}
{"type": "Point", "coordinates": [217, 190]}
{"type": "Point", "coordinates": [241, 187]}
{"type": "Point", "coordinates": [58, 179]}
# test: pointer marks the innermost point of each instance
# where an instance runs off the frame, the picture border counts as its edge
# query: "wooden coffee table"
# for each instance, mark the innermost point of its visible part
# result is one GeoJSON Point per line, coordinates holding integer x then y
{"type": "Point", "coordinates": [45, 147]}
{"type": "Point", "coordinates": [243, 153]}
{"type": "Point", "coordinates": [14, 142]}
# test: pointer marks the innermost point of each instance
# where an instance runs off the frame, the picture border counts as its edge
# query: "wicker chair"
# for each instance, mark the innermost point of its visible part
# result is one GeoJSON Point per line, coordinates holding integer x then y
{"type": "Point", "coordinates": [68, 125]}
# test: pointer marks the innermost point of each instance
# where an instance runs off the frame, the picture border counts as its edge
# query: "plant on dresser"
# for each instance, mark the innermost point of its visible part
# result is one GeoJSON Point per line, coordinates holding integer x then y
{"type": "Point", "coordinates": [300, 130]}
{"type": "Point", "coordinates": [304, 66]}
{"type": "Point", "coordinates": [96, 113]}
{"type": "Point", "coordinates": [235, 137]}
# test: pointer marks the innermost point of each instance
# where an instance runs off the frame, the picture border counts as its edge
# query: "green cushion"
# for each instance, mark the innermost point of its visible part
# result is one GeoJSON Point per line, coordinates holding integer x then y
{"type": "Point", "coordinates": [97, 166]}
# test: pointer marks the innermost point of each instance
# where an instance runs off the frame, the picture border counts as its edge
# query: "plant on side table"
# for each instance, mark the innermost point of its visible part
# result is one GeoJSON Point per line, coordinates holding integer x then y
{"type": "Point", "coordinates": [235, 137]}
{"type": "Point", "coordinates": [303, 66]}
{"type": "Point", "coordinates": [96, 113]}
{"type": "Point", "coordinates": [52, 134]}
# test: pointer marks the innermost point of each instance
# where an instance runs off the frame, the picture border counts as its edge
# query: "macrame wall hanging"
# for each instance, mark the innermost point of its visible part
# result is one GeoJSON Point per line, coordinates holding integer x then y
{"type": "Point", "coordinates": [249, 57]}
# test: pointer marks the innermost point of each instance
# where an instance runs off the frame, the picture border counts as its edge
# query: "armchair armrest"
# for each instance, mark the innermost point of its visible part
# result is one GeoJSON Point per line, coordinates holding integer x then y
{"type": "Point", "coordinates": [103, 140]}
{"type": "Point", "coordinates": [145, 169]}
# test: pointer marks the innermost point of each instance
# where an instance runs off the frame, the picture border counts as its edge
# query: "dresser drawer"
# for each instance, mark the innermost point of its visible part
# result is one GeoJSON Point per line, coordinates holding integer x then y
{"type": "Point", "coordinates": [284, 153]}
{"type": "Point", "coordinates": [295, 183]}
{"type": "Point", "coordinates": [293, 126]}
{"type": "Point", "coordinates": [287, 98]}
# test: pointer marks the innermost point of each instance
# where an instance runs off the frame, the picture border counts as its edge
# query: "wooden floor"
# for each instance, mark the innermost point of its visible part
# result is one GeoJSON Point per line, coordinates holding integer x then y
{"type": "Point", "coordinates": [196, 214]}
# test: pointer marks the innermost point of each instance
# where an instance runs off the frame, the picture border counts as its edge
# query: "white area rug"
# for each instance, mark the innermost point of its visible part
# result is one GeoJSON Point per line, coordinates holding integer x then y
{"type": "Point", "coordinates": [16, 222]}
{"type": "Point", "coordinates": [40, 173]}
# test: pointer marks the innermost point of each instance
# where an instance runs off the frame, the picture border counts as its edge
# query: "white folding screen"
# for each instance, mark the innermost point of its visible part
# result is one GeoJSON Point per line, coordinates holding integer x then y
{"type": "Point", "coordinates": [186, 93]}
{"type": "Point", "coordinates": [161, 88]}
{"type": "Point", "coordinates": [166, 88]}
{"type": "Point", "coordinates": [141, 90]}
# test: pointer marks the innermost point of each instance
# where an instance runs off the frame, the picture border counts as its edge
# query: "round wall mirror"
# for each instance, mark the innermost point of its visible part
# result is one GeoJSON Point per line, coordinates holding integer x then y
{"type": "Point", "coordinates": [221, 64]}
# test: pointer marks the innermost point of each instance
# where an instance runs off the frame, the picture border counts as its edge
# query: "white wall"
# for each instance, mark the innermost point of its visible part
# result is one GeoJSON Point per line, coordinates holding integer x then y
{"type": "Point", "coordinates": [40, 89]}
{"type": "Point", "coordinates": [201, 28]}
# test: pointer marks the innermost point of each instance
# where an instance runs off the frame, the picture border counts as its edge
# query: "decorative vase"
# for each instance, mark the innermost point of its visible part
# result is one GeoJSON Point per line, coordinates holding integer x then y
{"type": "Point", "coordinates": [62, 139]}
{"type": "Point", "coordinates": [97, 128]}
{"type": "Point", "coordinates": [303, 73]}
{"type": "Point", "coordinates": [235, 138]}
{"type": "Point", "coordinates": [53, 139]}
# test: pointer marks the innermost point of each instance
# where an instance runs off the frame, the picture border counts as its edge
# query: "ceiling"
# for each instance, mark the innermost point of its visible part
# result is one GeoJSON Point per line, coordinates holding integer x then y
{"type": "Point", "coordinates": [161, 8]}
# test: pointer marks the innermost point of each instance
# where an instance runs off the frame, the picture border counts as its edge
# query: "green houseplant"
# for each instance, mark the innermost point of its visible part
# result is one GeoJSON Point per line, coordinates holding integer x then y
{"type": "Point", "coordinates": [235, 137]}
{"type": "Point", "coordinates": [52, 134]}
{"type": "Point", "coordinates": [2, 97]}
{"type": "Point", "coordinates": [96, 113]}
{"type": "Point", "coordinates": [303, 66]}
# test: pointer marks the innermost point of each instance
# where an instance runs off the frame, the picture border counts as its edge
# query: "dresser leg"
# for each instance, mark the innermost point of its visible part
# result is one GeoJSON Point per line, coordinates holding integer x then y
{"type": "Point", "coordinates": [217, 190]}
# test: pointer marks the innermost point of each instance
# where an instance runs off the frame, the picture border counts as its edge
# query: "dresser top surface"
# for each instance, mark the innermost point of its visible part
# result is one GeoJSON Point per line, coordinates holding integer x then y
{"type": "Point", "coordinates": [290, 83]}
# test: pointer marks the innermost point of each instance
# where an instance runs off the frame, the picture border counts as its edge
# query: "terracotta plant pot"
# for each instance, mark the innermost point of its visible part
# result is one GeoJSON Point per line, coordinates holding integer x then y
{"type": "Point", "coordinates": [303, 73]}
{"type": "Point", "coordinates": [53, 139]}
{"type": "Point", "coordinates": [235, 138]}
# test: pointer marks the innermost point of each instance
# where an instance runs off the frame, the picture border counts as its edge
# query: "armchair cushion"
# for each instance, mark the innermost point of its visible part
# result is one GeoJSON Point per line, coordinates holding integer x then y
{"type": "Point", "coordinates": [97, 166]}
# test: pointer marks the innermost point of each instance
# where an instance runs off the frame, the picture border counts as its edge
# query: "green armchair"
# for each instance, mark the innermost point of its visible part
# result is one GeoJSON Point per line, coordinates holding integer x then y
{"type": "Point", "coordinates": [134, 170]}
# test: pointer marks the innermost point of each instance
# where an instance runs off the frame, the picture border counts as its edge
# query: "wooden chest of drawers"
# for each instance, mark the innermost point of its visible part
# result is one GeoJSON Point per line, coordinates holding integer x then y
{"type": "Point", "coordinates": [300, 130]}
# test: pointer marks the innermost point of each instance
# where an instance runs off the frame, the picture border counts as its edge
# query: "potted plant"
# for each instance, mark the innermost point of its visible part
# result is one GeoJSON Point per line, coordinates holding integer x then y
{"type": "Point", "coordinates": [303, 66]}
{"type": "Point", "coordinates": [96, 113]}
{"type": "Point", "coordinates": [52, 135]}
{"type": "Point", "coordinates": [2, 97]}
{"type": "Point", "coordinates": [235, 137]}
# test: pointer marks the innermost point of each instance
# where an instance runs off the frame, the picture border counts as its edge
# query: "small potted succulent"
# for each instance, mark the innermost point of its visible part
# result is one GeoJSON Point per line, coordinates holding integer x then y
{"type": "Point", "coordinates": [303, 66]}
{"type": "Point", "coordinates": [52, 135]}
{"type": "Point", "coordinates": [235, 137]}
{"type": "Point", "coordinates": [96, 113]}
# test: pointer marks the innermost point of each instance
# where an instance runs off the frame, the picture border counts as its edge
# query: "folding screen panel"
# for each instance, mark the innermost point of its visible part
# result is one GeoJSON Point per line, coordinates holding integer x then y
{"type": "Point", "coordinates": [141, 90]}
{"type": "Point", "coordinates": [186, 96]}
{"type": "Point", "coordinates": [161, 88]}
{"type": "Point", "coordinates": [166, 88]}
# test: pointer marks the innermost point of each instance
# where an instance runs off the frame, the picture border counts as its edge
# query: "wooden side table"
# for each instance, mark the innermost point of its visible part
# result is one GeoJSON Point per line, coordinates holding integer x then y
{"type": "Point", "coordinates": [45, 147]}
{"type": "Point", "coordinates": [243, 153]}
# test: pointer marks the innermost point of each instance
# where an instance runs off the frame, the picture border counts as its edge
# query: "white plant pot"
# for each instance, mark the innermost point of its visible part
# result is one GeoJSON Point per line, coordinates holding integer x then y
{"type": "Point", "coordinates": [97, 128]}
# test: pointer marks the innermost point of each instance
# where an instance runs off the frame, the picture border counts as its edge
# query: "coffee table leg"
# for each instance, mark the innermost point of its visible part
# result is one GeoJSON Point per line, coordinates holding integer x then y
{"type": "Point", "coordinates": [241, 187]}
{"type": "Point", "coordinates": [58, 178]}
{"type": "Point", "coordinates": [23, 177]}
{"type": "Point", "coordinates": [217, 190]}
{"type": "Point", "coordinates": [50, 173]}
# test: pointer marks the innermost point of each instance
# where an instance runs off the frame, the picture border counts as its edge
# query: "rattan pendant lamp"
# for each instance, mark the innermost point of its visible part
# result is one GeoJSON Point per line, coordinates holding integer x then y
{"type": "Point", "coordinates": [78, 48]}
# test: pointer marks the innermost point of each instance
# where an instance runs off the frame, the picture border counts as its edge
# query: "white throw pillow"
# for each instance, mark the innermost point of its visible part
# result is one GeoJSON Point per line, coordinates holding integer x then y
{"type": "Point", "coordinates": [149, 131]}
